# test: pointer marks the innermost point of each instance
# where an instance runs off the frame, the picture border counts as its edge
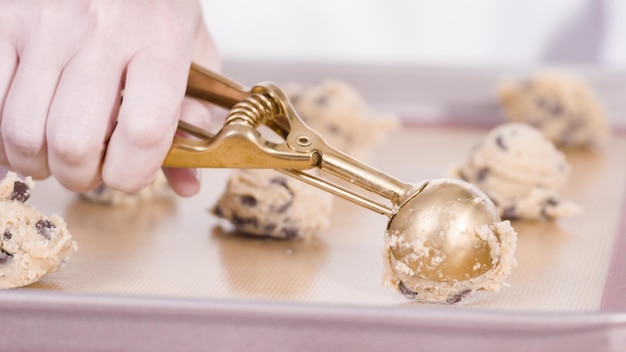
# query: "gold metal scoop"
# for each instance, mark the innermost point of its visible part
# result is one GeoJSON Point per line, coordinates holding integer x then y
{"type": "Point", "coordinates": [443, 213]}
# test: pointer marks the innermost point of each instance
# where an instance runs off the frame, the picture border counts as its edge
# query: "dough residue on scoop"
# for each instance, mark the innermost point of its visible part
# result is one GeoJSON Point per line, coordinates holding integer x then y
{"type": "Point", "coordinates": [412, 283]}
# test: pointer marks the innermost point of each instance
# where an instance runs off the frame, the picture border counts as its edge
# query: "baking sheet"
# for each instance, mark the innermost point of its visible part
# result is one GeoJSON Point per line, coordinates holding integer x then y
{"type": "Point", "coordinates": [176, 248]}
{"type": "Point", "coordinates": [165, 276]}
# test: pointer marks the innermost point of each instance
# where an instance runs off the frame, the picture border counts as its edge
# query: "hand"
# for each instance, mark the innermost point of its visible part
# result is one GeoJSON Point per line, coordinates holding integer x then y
{"type": "Point", "coordinates": [63, 68]}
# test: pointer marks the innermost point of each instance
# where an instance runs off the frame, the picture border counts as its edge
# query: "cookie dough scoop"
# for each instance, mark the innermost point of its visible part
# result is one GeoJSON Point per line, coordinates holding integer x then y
{"type": "Point", "coordinates": [444, 238]}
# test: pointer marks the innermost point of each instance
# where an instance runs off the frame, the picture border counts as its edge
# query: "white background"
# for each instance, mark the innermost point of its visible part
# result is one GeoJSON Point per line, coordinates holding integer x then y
{"type": "Point", "coordinates": [438, 32]}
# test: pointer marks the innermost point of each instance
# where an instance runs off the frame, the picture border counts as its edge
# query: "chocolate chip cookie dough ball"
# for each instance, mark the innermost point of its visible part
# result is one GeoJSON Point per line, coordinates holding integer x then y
{"type": "Point", "coordinates": [268, 203]}
{"type": "Point", "coordinates": [521, 171]}
{"type": "Point", "coordinates": [31, 244]}
{"type": "Point", "coordinates": [340, 114]}
{"type": "Point", "coordinates": [562, 106]}
{"type": "Point", "coordinates": [421, 272]}
{"type": "Point", "coordinates": [106, 195]}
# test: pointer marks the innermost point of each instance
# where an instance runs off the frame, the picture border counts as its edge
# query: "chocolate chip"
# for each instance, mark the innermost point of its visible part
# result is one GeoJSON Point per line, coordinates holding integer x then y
{"type": "Point", "coordinates": [406, 292]}
{"type": "Point", "coordinates": [7, 235]}
{"type": "Point", "coordinates": [548, 203]}
{"type": "Point", "coordinates": [285, 206]}
{"type": "Point", "coordinates": [500, 143]}
{"type": "Point", "coordinates": [333, 129]}
{"type": "Point", "coordinates": [457, 297]}
{"type": "Point", "coordinates": [281, 209]}
{"type": "Point", "coordinates": [321, 100]}
{"type": "Point", "coordinates": [509, 213]}
{"type": "Point", "coordinates": [289, 233]}
{"type": "Point", "coordinates": [240, 222]}
{"type": "Point", "coordinates": [21, 192]}
{"type": "Point", "coordinates": [552, 107]}
{"type": "Point", "coordinates": [556, 110]}
{"type": "Point", "coordinates": [482, 173]}
{"type": "Point", "coordinates": [217, 211]}
{"type": "Point", "coordinates": [247, 200]}
{"type": "Point", "coordinates": [552, 201]}
{"type": "Point", "coordinates": [5, 256]}
{"type": "Point", "coordinates": [269, 228]}
{"type": "Point", "coordinates": [44, 227]}
{"type": "Point", "coordinates": [280, 181]}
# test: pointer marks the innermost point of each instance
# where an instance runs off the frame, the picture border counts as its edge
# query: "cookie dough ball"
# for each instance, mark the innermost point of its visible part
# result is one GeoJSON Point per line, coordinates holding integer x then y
{"type": "Point", "coordinates": [339, 113]}
{"type": "Point", "coordinates": [559, 104]}
{"type": "Point", "coordinates": [419, 272]}
{"type": "Point", "coordinates": [446, 242]}
{"type": "Point", "coordinates": [268, 203]}
{"type": "Point", "coordinates": [106, 195]}
{"type": "Point", "coordinates": [521, 171]}
{"type": "Point", "coordinates": [31, 244]}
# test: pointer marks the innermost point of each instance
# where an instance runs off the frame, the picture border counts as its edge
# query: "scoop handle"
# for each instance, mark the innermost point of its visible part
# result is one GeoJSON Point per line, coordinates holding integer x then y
{"type": "Point", "coordinates": [209, 86]}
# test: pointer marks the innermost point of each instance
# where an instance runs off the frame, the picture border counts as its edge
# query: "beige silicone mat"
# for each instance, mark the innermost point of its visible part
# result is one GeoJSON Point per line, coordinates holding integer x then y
{"type": "Point", "coordinates": [175, 248]}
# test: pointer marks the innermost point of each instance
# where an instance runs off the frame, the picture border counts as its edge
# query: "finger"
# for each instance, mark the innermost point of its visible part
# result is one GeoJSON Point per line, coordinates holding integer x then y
{"type": "Point", "coordinates": [81, 118]}
{"type": "Point", "coordinates": [26, 110]}
{"type": "Point", "coordinates": [155, 86]}
{"type": "Point", "coordinates": [8, 65]}
{"type": "Point", "coordinates": [196, 112]}
{"type": "Point", "coordinates": [187, 182]}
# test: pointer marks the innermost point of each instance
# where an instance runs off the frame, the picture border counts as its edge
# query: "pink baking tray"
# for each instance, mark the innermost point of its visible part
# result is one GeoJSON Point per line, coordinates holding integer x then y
{"type": "Point", "coordinates": [167, 276]}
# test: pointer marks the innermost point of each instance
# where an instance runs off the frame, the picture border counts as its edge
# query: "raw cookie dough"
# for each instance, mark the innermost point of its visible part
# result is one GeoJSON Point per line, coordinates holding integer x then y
{"type": "Point", "coordinates": [106, 195]}
{"type": "Point", "coordinates": [339, 113]}
{"type": "Point", "coordinates": [267, 203]}
{"type": "Point", "coordinates": [31, 244]}
{"type": "Point", "coordinates": [559, 104]}
{"type": "Point", "coordinates": [521, 171]}
{"type": "Point", "coordinates": [459, 260]}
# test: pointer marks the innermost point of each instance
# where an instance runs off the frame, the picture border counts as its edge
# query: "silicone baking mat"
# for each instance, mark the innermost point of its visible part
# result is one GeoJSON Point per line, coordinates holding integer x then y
{"type": "Point", "coordinates": [176, 248]}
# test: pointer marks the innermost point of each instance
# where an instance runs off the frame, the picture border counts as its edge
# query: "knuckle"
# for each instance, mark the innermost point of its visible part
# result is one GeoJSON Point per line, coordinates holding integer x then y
{"type": "Point", "coordinates": [22, 141]}
{"type": "Point", "coordinates": [117, 180]}
{"type": "Point", "coordinates": [77, 182]}
{"type": "Point", "coordinates": [147, 134]}
{"type": "Point", "coordinates": [74, 148]}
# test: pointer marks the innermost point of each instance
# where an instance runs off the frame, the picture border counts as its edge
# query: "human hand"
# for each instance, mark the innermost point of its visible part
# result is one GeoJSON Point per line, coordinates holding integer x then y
{"type": "Point", "coordinates": [63, 67]}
